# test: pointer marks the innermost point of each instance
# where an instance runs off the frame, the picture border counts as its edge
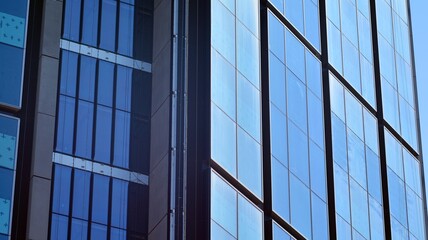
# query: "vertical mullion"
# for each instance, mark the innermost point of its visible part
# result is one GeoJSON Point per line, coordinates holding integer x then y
{"type": "Point", "coordinates": [327, 120]}
{"type": "Point", "coordinates": [380, 121]}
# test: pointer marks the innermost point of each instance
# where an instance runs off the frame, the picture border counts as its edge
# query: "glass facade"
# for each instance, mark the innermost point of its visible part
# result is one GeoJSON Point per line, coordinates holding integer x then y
{"type": "Point", "coordinates": [13, 28]}
{"type": "Point", "coordinates": [103, 122]}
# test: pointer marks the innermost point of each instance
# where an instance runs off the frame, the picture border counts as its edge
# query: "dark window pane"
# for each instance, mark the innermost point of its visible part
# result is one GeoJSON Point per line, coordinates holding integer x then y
{"type": "Point", "coordinates": [105, 83]}
{"type": "Point", "coordinates": [79, 229]}
{"type": "Point", "coordinates": [103, 134]}
{"type": "Point", "coordinates": [90, 22]}
{"type": "Point", "coordinates": [108, 25]}
{"type": "Point", "coordinates": [123, 88]}
{"type": "Point", "coordinates": [87, 78]}
{"type": "Point", "coordinates": [118, 234]}
{"type": "Point", "coordinates": [65, 128]}
{"type": "Point", "coordinates": [84, 130]}
{"type": "Point", "coordinates": [121, 139]}
{"type": "Point", "coordinates": [59, 227]}
{"type": "Point", "coordinates": [119, 205]}
{"type": "Point", "coordinates": [18, 8]}
{"type": "Point", "coordinates": [68, 73]}
{"type": "Point", "coordinates": [98, 232]}
{"type": "Point", "coordinates": [72, 20]}
{"type": "Point", "coordinates": [11, 59]}
{"type": "Point", "coordinates": [100, 198]}
{"type": "Point", "coordinates": [126, 29]}
{"type": "Point", "coordinates": [61, 191]}
{"type": "Point", "coordinates": [81, 189]}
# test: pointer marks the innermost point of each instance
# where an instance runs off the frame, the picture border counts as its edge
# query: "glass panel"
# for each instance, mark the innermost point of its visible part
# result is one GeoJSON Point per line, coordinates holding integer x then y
{"type": "Point", "coordinates": [337, 98]}
{"type": "Point", "coordinates": [84, 129]}
{"type": "Point", "coordinates": [126, 29]}
{"type": "Point", "coordinates": [250, 221]}
{"type": "Point", "coordinates": [249, 108]}
{"type": "Point", "coordinates": [341, 187]}
{"type": "Point", "coordinates": [296, 101]}
{"type": "Point", "coordinates": [68, 73]}
{"type": "Point", "coordinates": [387, 63]}
{"type": "Point", "coordinates": [87, 78]}
{"type": "Point", "coordinates": [397, 197]}
{"type": "Point", "coordinates": [398, 231]}
{"type": "Point", "coordinates": [59, 227]}
{"type": "Point", "coordinates": [121, 139]}
{"type": "Point", "coordinates": [81, 189]}
{"type": "Point", "coordinates": [376, 220]}
{"type": "Point", "coordinates": [370, 127]}
{"type": "Point", "coordinates": [364, 33]}
{"type": "Point", "coordinates": [279, 233]}
{"type": "Point", "coordinates": [313, 74]}
{"type": "Point", "coordinates": [300, 206]}
{"type": "Point", "coordinates": [105, 83]}
{"type": "Point", "coordinates": [65, 128]}
{"type": "Point", "coordinates": [118, 234]}
{"type": "Point", "coordinates": [298, 152]}
{"type": "Point", "coordinates": [356, 159]}
{"type": "Point", "coordinates": [343, 229]}
{"type": "Point", "coordinates": [351, 63]}
{"type": "Point", "coordinates": [223, 140]}
{"type": "Point", "coordinates": [408, 123]}
{"type": "Point", "coordinates": [217, 232]}
{"type": "Point", "coordinates": [415, 214]}
{"type": "Point", "coordinates": [223, 205]}
{"type": "Point", "coordinates": [393, 154]}
{"type": "Point", "coordinates": [359, 208]}
{"type": "Point", "coordinates": [384, 18]}
{"type": "Point", "coordinates": [280, 194]}
{"type": "Point", "coordinates": [294, 12]}
{"type": "Point", "coordinates": [124, 88]}
{"type": "Point", "coordinates": [98, 231]}
{"type": "Point", "coordinates": [295, 55]}
{"type": "Point", "coordinates": [339, 142]}
{"type": "Point", "coordinates": [6, 198]}
{"type": "Point", "coordinates": [277, 82]}
{"type": "Point", "coordinates": [108, 25]}
{"type": "Point", "coordinates": [319, 219]}
{"type": "Point", "coordinates": [247, 12]}
{"type": "Point", "coordinates": [334, 46]}
{"type": "Point", "coordinates": [412, 172]}
{"type": "Point", "coordinates": [248, 55]}
{"type": "Point", "coordinates": [103, 134]}
{"type": "Point", "coordinates": [90, 22]}
{"type": "Point", "coordinates": [333, 12]}
{"type": "Point", "coordinates": [405, 80]}
{"type": "Point", "coordinates": [119, 204]}
{"type": "Point", "coordinates": [276, 37]}
{"type": "Point", "coordinates": [79, 229]}
{"type": "Point", "coordinates": [312, 23]}
{"type": "Point", "coordinates": [278, 125]}
{"type": "Point", "coordinates": [390, 105]}
{"type": "Point", "coordinates": [223, 84]}
{"type": "Point", "coordinates": [318, 171]}
{"type": "Point", "coordinates": [349, 21]}
{"type": "Point", "coordinates": [61, 191]}
{"type": "Point", "coordinates": [11, 59]}
{"type": "Point", "coordinates": [373, 175]}
{"type": "Point", "coordinates": [249, 163]}
{"type": "Point", "coordinates": [100, 198]}
{"type": "Point", "coordinates": [223, 31]}
{"type": "Point", "coordinates": [315, 118]}
{"type": "Point", "coordinates": [71, 26]}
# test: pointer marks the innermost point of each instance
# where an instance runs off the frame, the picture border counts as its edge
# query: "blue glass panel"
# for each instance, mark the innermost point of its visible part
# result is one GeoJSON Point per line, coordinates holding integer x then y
{"type": "Point", "coordinates": [356, 159]}
{"type": "Point", "coordinates": [87, 78]}
{"type": "Point", "coordinates": [412, 172]}
{"type": "Point", "coordinates": [247, 12]}
{"type": "Point", "coordinates": [123, 88]}
{"type": "Point", "coordinates": [108, 25]}
{"type": "Point", "coordinates": [354, 115]}
{"type": "Point", "coordinates": [296, 101]}
{"type": "Point", "coordinates": [279, 4]}
{"type": "Point", "coordinates": [250, 220]}
{"type": "Point", "coordinates": [373, 175]}
{"type": "Point", "coordinates": [401, 38]}
{"type": "Point", "coordinates": [11, 59]}
{"type": "Point", "coordinates": [217, 232]}
{"type": "Point", "coordinates": [71, 26]}
{"type": "Point", "coordinates": [79, 229]}
{"type": "Point", "coordinates": [398, 230]}
{"type": "Point", "coordinates": [334, 46]}
{"type": "Point", "coordinates": [98, 231]}
{"type": "Point", "coordinates": [65, 127]}
{"type": "Point", "coordinates": [223, 31]}
{"type": "Point", "coordinates": [126, 29]}
{"type": "Point", "coordinates": [349, 21]}
{"type": "Point", "coordinates": [119, 203]}
{"type": "Point", "coordinates": [343, 229]}
{"type": "Point", "coordinates": [81, 189]}
{"type": "Point", "coordinates": [390, 105]}
{"type": "Point", "coordinates": [277, 82]}
{"type": "Point", "coordinates": [223, 205]}
{"type": "Point", "coordinates": [8, 141]}
{"type": "Point", "coordinates": [279, 233]}
{"type": "Point", "coordinates": [249, 108]}
{"type": "Point", "coordinates": [408, 123]}
{"type": "Point", "coordinates": [121, 139]}
{"type": "Point", "coordinates": [19, 8]}
{"type": "Point", "coordinates": [312, 23]}
{"type": "Point", "coordinates": [363, 6]}
{"type": "Point", "coordinates": [248, 55]}
{"type": "Point", "coordinates": [300, 206]}
{"type": "Point", "coordinates": [118, 234]}
{"type": "Point", "coordinates": [61, 191]}
{"type": "Point", "coordinates": [313, 74]}
{"type": "Point", "coordinates": [397, 197]}
{"type": "Point", "coordinates": [315, 118]}
{"type": "Point", "coordinates": [337, 98]}
{"type": "Point", "coordinates": [359, 209]}
{"type": "Point", "coordinates": [59, 227]}
{"type": "Point", "coordinates": [333, 12]}
{"type": "Point", "coordinates": [100, 197]}
{"type": "Point", "coordinates": [294, 12]}
{"type": "Point", "coordinates": [90, 22]}
{"type": "Point", "coordinates": [415, 214]}
{"type": "Point", "coordinates": [295, 55]}
{"type": "Point", "coordinates": [223, 84]}
{"type": "Point", "coordinates": [367, 81]}
{"type": "Point", "coordinates": [298, 152]}
{"type": "Point", "coordinates": [387, 62]}
{"type": "Point", "coordinates": [318, 172]}
{"type": "Point", "coordinates": [6, 199]}
{"type": "Point", "coordinates": [276, 37]}
{"type": "Point", "coordinates": [393, 154]}
{"type": "Point", "coordinates": [84, 129]}
{"type": "Point", "coordinates": [351, 63]}
{"type": "Point", "coordinates": [105, 83]}
{"type": "Point", "coordinates": [68, 73]}
{"type": "Point", "coordinates": [223, 140]}
{"type": "Point", "coordinates": [103, 134]}
{"type": "Point", "coordinates": [280, 192]}
{"type": "Point", "coordinates": [370, 127]}
{"type": "Point", "coordinates": [405, 80]}
{"type": "Point", "coordinates": [341, 190]}
{"type": "Point", "coordinates": [319, 219]}
{"type": "Point", "coordinates": [376, 219]}
{"type": "Point", "coordinates": [249, 162]}
{"type": "Point", "coordinates": [384, 20]}
{"type": "Point", "coordinates": [400, 7]}
{"type": "Point", "coordinates": [278, 125]}
{"type": "Point", "coordinates": [365, 37]}
{"type": "Point", "coordinates": [339, 142]}
{"type": "Point", "coordinates": [230, 4]}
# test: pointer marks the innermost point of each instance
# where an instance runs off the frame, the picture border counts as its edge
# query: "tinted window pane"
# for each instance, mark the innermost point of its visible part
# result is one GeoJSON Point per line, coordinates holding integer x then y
{"type": "Point", "coordinates": [412, 172]}
{"type": "Point", "coordinates": [370, 127]}
{"type": "Point", "coordinates": [11, 59]}
{"type": "Point", "coordinates": [390, 105]}
{"type": "Point", "coordinates": [359, 208]}
{"type": "Point", "coordinates": [87, 78]}
{"type": "Point", "coordinates": [387, 63]}
{"type": "Point", "coordinates": [223, 31]}
{"type": "Point", "coordinates": [343, 229]}
{"type": "Point", "coordinates": [103, 134]}
{"type": "Point", "coordinates": [100, 198]}
{"type": "Point", "coordinates": [298, 152]}
{"type": "Point", "coordinates": [376, 219]}
{"type": "Point", "coordinates": [279, 233]}
{"type": "Point", "coordinates": [277, 82]}
{"type": "Point", "coordinates": [81, 189]}
{"type": "Point", "coordinates": [108, 25]}
{"type": "Point", "coordinates": [415, 214]}
{"type": "Point", "coordinates": [250, 221]}
{"type": "Point", "coordinates": [300, 206]}
{"type": "Point", "coordinates": [294, 56]}
{"type": "Point", "coordinates": [393, 154]}
{"type": "Point", "coordinates": [90, 22]}
{"type": "Point", "coordinates": [105, 83]}
{"type": "Point", "coordinates": [119, 204]}
{"type": "Point", "coordinates": [356, 159]}
{"type": "Point", "coordinates": [318, 172]}
{"type": "Point", "coordinates": [367, 81]}
{"type": "Point", "coordinates": [121, 139]}
{"type": "Point", "coordinates": [315, 118]}
{"type": "Point", "coordinates": [296, 101]}
{"type": "Point", "coordinates": [248, 52]}
{"type": "Point", "coordinates": [341, 187]}
{"type": "Point", "coordinates": [59, 227]}
{"type": "Point", "coordinates": [217, 232]}
{"type": "Point", "coordinates": [408, 123]}
{"type": "Point", "coordinates": [278, 124]}
{"type": "Point", "coordinates": [373, 175]}
{"type": "Point", "coordinates": [313, 74]}
{"type": "Point", "coordinates": [276, 37]}
{"type": "Point", "coordinates": [280, 195]}
{"type": "Point", "coordinates": [349, 21]}
{"type": "Point", "coordinates": [339, 142]}
{"type": "Point", "coordinates": [61, 191]}
{"type": "Point", "coordinates": [384, 19]}
{"type": "Point", "coordinates": [68, 73]}
{"type": "Point", "coordinates": [223, 204]}
{"type": "Point", "coordinates": [126, 29]}
{"type": "Point", "coordinates": [84, 130]}
{"type": "Point", "coordinates": [294, 12]}
{"type": "Point", "coordinates": [72, 20]}
{"type": "Point", "coordinates": [397, 197]}
{"type": "Point", "coordinates": [98, 231]}
{"type": "Point", "coordinates": [118, 234]}
{"type": "Point", "coordinates": [65, 127]}
{"type": "Point", "coordinates": [319, 219]}
{"type": "Point", "coordinates": [337, 98]}
{"type": "Point", "coordinates": [334, 46]}
{"type": "Point", "coordinates": [247, 12]}
{"type": "Point", "coordinates": [312, 23]}
{"type": "Point", "coordinates": [249, 107]}
{"type": "Point", "coordinates": [364, 31]}
{"type": "Point", "coordinates": [123, 88]}
{"type": "Point", "coordinates": [351, 68]}
{"type": "Point", "coordinates": [79, 229]}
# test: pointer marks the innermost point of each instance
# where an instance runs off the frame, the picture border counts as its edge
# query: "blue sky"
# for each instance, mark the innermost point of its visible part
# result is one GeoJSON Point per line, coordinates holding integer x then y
{"type": "Point", "coordinates": [420, 38]}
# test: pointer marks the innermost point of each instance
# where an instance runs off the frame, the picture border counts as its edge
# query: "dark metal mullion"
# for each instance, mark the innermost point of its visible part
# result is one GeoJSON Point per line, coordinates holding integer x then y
{"type": "Point", "coordinates": [266, 156]}
{"type": "Point", "coordinates": [70, 206]}
{"type": "Point", "coordinates": [76, 104]}
{"type": "Point", "coordinates": [287, 226]}
{"type": "Point", "coordinates": [381, 122]}
{"type": "Point", "coordinates": [110, 196]}
{"type": "Point", "coordinates": [294, 30]}
{"type": "Point", "coordinates": [90, 203]}
{"type": "Point", "coordinates": [327, 121]}
{"type": "Point", "coordinates": [51, 201]}
{"type": "Point", "coordinates": [400, 139]}
{"type": "Point", "coordinates": [418, 122]}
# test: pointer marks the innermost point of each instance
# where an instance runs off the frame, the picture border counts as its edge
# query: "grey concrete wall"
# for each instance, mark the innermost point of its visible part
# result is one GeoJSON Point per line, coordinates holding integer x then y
{"type": "Point", "coordinates": [160, 123]}
{"type": "Point", "coordinates": [44, 124]}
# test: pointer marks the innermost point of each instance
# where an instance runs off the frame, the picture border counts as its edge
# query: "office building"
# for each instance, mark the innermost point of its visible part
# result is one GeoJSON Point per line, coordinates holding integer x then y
{"type": "Point", "coordinates": [220, 119]}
